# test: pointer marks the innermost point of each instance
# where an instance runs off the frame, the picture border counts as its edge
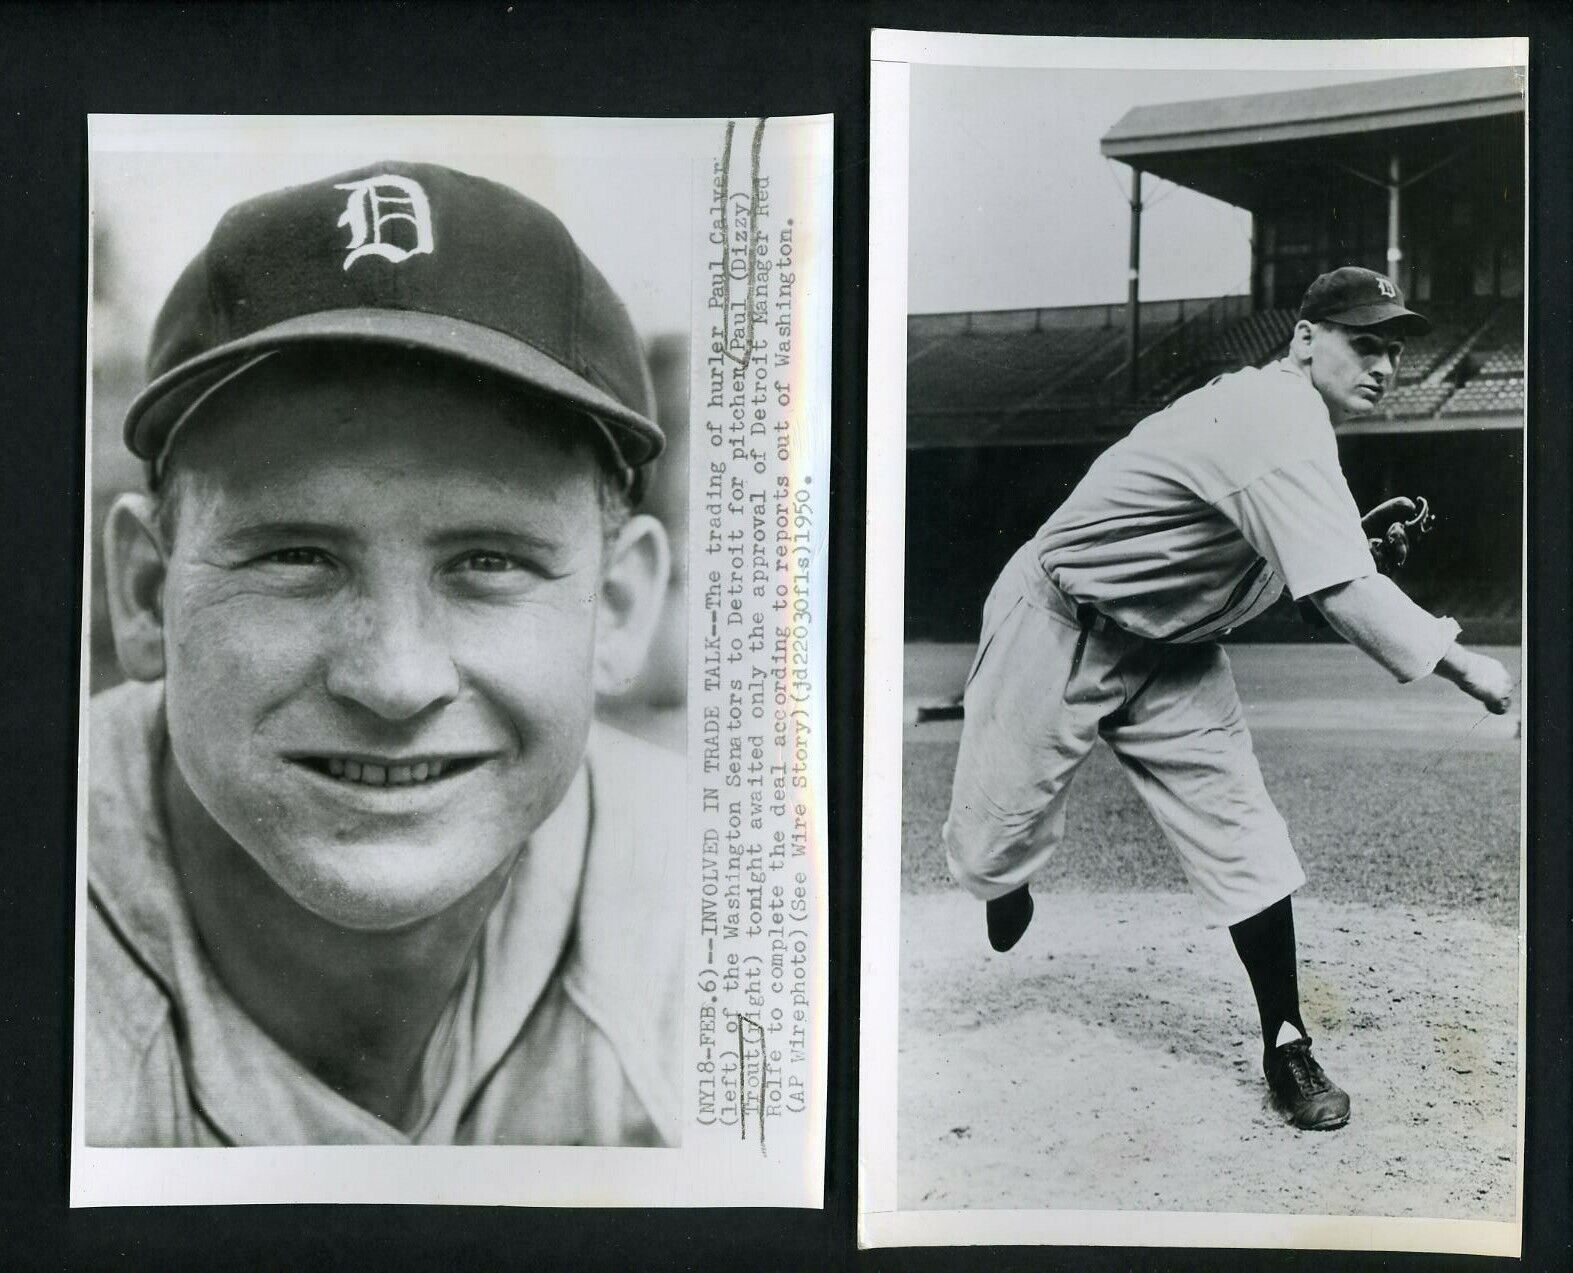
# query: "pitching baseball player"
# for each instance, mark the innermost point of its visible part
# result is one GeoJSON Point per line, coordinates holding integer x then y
{"type": "Point", "coordinates": [1106, 624]}
{"type": "Point", "coordinates": [362, 868]}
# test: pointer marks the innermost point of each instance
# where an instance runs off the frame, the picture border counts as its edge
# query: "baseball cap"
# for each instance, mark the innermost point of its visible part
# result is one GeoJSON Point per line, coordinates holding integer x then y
{"type": "Point", "coordinates": [409, 255]}
{"type": "Point", "coordinates": [1355, 297]}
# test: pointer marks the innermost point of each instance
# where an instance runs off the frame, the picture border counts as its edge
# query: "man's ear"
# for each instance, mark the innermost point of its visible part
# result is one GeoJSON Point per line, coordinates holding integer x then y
{"type": "Point", "coordinates": [135, 567]}
{"type": "Point", "coordinates": [633, 590]}
{"type": "Point", "coordinates": [1301, 340]}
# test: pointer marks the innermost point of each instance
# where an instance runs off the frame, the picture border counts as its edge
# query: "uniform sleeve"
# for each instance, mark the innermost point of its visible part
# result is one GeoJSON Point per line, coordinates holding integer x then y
{"type": "Point", "coordinates": [1375, 616]}
{"type": "Point", "coordinates": [1303, 520]}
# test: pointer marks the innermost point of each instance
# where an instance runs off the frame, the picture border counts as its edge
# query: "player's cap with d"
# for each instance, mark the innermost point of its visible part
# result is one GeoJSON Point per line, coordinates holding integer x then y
{"type": "Point", "coordinates": [1355, 297]}
{"type": "Point", "coordinates": [405, 255]}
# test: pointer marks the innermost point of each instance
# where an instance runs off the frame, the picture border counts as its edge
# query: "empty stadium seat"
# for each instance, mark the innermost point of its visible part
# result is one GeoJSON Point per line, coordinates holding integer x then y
{"type": "Point", "coordinates": [987, 371]}
{"type": "Point", "coordinates": [1257, 337]}
{"type": "Point", "coordinates": [1414, 401]}
{"type": "Point", "coordinates": [1487, 394]}
{"type": "Point", "coordinates": [1425, 354]}
{"type": "Point", "coordinates": [982, 371]}
{"type": "Point", "coordinates": [1503, 362]}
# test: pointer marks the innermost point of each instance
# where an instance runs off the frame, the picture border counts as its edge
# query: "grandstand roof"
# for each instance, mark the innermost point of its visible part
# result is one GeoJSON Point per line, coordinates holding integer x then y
{"type": "Point", "coordinates": [1423, 116]}
{"type": "Point", "coordinates": [1317, 112]}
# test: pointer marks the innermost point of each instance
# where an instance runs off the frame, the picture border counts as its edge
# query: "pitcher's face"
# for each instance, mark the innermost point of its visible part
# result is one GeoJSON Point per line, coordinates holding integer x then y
{"type": "Point", "coordinates": [380, 618]}
{"type": "Point", "coordinates": [1353, 368]}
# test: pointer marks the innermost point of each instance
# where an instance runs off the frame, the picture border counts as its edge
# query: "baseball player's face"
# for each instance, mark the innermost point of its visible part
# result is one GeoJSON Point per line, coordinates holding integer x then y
{"type": "Point", "coordinates": [380, 622]}
{"type": "Point", "coordinates": [1353, 368]}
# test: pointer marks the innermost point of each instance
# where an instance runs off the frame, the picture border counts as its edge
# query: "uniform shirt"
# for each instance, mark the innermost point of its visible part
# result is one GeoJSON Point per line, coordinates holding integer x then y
{"type": "Point", "coordinates": [564, 1030]}
{"type": "Point", "coordinates": [1195, 521]}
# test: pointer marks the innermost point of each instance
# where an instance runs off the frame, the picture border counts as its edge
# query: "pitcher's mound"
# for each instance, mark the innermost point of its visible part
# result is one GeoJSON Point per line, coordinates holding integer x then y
{"type": "Point", "coordinates": [1113, 1061]}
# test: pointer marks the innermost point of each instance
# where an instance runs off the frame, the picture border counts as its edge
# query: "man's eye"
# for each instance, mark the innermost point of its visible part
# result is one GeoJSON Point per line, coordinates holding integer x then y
{"type": "Point", "coordinates": [489, 563]}
{"type": "Point", "coordinates": [295, 557]}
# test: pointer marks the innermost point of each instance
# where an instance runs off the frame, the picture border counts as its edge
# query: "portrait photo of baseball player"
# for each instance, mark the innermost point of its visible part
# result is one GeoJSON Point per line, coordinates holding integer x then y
{"type": "Point", "coordinates": [386, 651]}
{"type": "Point", "coordinates": [1211, 762]}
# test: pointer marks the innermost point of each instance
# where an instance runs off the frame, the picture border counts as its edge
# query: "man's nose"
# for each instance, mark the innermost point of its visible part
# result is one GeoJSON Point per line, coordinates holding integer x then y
{"type": "Point", "coordinates": [1384, 366]}
{"type": "Point", "coordinates": [393, 658]}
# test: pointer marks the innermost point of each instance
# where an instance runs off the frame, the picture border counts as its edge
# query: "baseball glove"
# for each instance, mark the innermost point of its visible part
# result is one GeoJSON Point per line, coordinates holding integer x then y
{"type": "Point", "coordinates": [1394, 527]}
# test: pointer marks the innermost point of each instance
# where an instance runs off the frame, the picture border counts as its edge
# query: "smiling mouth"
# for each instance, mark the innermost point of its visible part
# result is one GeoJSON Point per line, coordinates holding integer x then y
{"type": "Point", "coordinates": [367, 773]}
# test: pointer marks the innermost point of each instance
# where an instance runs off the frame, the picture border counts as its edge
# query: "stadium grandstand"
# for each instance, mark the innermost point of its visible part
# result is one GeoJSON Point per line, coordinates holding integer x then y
{"type": "Point", "coordinates": [1421, 177]}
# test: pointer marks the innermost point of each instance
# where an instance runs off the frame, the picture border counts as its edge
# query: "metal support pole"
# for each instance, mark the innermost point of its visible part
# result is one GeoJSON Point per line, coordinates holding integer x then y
{"type": "Point", "coordinates": [1395, 254]}
{"type": "Point", "coordinates": [1133, 318]}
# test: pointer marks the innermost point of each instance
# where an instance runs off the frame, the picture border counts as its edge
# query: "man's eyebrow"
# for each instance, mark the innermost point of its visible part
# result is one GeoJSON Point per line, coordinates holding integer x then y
{"type": "Point", "coordinates": [264, 532]}
{"type": "Point", "coordinates": [488, 532]}
{"type": "Point", "coordinates": [267, 531]}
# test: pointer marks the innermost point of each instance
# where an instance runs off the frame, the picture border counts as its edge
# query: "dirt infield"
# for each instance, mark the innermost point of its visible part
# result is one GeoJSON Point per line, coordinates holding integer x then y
{"type": "Point", "coordinates": [1113, 1059]}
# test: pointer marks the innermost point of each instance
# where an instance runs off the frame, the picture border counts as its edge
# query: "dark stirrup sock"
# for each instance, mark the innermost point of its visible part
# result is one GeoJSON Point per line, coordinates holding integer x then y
{"type": "Point", "coordinates": [1008, 918]}
{"type": "Point", "coordinates": [1265, 943]}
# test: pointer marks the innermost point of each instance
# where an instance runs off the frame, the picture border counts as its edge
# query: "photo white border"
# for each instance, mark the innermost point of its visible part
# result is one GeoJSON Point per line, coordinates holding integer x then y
{"type": "Point", "coordinates": [698, 1172]}
{"type": "Point", "coordinates": [880, 1222]}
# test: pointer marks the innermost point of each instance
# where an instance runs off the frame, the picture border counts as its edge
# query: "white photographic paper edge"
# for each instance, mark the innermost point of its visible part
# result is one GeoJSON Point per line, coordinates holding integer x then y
{"type": "Point", "coordinates": [880, 1222]}
{"type": "Point", "coordinates": [577, 1176]}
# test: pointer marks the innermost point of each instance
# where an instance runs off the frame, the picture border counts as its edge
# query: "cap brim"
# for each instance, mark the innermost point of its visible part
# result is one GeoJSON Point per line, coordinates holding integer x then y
{"type": "Point", "coordinates": [1405, 320]}
{"type": "Point", "coordinates": [156, 409]}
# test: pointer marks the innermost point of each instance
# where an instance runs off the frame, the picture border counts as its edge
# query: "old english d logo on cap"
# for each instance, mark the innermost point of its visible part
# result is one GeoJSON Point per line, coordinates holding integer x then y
{"type": "Point", "coordinates": [386, 202]}
{"type": "Point", "coordinates": [413, 256]}
{"type": "Point", "coordinates": [1357, 297]}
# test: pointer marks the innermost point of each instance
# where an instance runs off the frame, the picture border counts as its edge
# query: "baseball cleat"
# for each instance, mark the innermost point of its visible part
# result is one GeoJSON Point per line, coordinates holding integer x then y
{"type": "Point", "coordinates": [1301, 1091]}
{"type": "Point", "coordinates": [1008, 918]}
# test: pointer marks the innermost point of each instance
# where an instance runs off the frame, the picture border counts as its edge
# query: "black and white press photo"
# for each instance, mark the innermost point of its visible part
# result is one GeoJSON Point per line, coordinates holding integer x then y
{"type": "Point", "coordinates": [1193, 840]}
{"type": "Point", "coordinates": [414, 810]}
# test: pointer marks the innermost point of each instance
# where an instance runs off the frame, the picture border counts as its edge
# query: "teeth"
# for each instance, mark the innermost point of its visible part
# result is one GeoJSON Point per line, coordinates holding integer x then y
{"type": "Point", "coordinates": [385, 775]}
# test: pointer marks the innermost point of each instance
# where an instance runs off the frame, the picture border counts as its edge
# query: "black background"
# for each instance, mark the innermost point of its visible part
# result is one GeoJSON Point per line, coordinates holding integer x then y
{"type": "Point", "coordinates": [59, 62]}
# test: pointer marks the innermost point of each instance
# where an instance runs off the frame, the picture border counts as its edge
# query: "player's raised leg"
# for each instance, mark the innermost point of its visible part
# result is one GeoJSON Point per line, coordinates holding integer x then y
{"type": "Point", "coordinates": [1036, 692]}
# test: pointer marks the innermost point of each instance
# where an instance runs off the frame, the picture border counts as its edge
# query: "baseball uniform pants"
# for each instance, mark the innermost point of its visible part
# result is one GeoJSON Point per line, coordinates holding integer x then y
{"type": "Point", "coordinates": [1049, 679]}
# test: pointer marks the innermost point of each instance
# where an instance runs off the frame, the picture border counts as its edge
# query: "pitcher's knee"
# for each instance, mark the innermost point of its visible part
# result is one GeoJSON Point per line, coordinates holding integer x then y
{"type": "Point", "coordinates": [979, 857]}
